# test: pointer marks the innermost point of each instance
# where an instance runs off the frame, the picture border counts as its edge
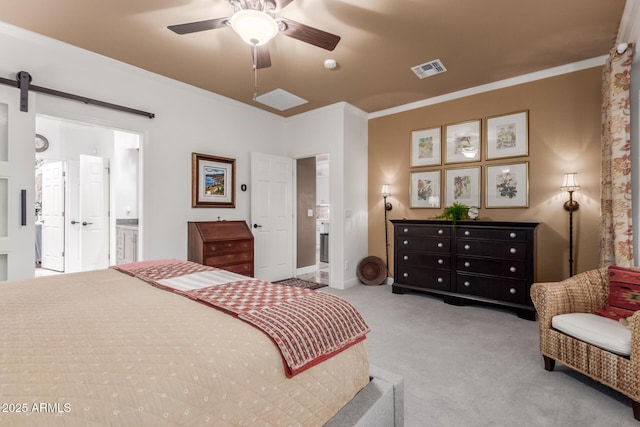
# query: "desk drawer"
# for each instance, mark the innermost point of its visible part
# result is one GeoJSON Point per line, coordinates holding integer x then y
{"type": "Point", "coordinates": [228, 246]}
{"type": "Point", "coordinates": [233, 258]}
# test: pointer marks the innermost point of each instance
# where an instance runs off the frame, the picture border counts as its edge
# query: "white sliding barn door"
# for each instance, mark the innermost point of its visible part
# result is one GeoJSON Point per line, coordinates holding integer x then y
{"type": "Point", "coordinates": [17, 185]}
{"type": "Point", "coordinates": [272, 216]}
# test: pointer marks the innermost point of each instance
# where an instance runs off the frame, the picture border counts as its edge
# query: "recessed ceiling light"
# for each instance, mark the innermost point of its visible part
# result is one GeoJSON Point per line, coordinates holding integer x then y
{"type": "Point", "coordinates": [330, 64]}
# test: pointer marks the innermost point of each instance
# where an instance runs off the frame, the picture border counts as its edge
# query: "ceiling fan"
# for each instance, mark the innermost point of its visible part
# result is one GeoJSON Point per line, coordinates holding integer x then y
{"type": "Point", "coordinates": [257, 22]}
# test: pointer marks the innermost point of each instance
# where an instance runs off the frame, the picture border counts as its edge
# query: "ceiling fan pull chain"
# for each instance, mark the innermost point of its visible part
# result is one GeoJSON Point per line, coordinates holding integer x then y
{"type": "Point", "coordinates": [254, 48]}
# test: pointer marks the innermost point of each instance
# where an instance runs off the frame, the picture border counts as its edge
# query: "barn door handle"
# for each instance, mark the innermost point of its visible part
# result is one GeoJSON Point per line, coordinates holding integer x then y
{"type": "Point", "coordinates": [23, 207]}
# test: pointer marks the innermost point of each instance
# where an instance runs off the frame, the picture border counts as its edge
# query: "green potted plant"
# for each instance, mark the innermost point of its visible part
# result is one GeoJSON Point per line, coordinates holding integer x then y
{"type": "Point", "coordinates": [455, 212]}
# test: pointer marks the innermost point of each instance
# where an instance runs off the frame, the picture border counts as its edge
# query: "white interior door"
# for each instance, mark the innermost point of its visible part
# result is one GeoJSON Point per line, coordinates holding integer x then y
{"type": "Point", "coordinates": [53, 215]}
{"type": "Point", "coordinates": [94, 213]}
{"type": "Point", "coordinates": [17, 184]}
{"type": "Point", "coordinates": [272, 216]}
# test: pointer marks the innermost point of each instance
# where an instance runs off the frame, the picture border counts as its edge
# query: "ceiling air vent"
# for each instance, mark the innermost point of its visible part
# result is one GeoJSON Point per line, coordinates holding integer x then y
{"type": "Point", "coordinates": [429, 69]}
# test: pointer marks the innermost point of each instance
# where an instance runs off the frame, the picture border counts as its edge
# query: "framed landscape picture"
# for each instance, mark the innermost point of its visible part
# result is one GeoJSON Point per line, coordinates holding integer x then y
{"type": "Point", "coordinates": [425, 189]}
{"type": "Point", "coordinates": [508, 135]}
{"type": "Point", "coordinates": [463, 186]}
{"type": "Point", "coordinates": [212, 181]}
{"type": "Point", "coordinates": [426, 147]}
{"type": "Point", "coordinates": [463, 142]}
{"type": "Point", "coordinates": [507, 186]}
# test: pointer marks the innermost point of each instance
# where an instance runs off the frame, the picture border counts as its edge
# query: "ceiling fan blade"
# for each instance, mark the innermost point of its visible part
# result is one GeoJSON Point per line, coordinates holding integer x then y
{"type": "Point", "coordinates": [194, 27]}
{"type": "Point", "coordinates": [309, 35]}
{"type": "Point", "coordinates": [263, 58]}
{"type": "Point", "coordinates": [281, 4]}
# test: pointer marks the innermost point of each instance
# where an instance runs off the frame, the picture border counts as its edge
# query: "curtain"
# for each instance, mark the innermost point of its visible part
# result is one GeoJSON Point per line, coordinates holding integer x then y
{"type": "Point", "coordinates": [616, 230]}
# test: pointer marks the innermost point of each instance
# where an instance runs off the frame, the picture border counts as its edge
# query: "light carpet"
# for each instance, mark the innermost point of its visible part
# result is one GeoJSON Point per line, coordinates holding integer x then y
{"type": "Point", "coordinates": [476, 366]}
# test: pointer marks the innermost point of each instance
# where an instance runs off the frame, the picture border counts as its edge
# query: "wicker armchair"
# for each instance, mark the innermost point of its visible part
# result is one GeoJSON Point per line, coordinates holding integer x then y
{"type": "Point", "coordinates": [584, 293]}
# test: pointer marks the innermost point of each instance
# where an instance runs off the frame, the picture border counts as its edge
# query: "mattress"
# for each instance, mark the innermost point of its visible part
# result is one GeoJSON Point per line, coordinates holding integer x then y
{"type": "Point", "coordinates": [105, 348]}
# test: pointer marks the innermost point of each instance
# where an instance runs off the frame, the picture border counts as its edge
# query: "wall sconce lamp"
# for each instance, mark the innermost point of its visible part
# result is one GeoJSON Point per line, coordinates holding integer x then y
{"type": "Point", "coordinates": [387, 207]}
{"type": "Point", "coordinates": [570, 184]}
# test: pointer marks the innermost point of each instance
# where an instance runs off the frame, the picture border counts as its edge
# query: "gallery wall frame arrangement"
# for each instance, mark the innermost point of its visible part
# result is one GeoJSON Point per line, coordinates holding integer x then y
{"type": "Point", "coordinates": [462, 185]}
{"type": "Point", "coordinates": [425, 189]}
{"type": "Point", "coordinates": [507, 185]}
{"type": "Point", "coordinates": [463, 142]}
{"type": "Point", "coordinates": [212, 181]}
{"type": "Point", "coordinates": [426, 147]}
{"type": "Point", "coordinates": [508, 135]}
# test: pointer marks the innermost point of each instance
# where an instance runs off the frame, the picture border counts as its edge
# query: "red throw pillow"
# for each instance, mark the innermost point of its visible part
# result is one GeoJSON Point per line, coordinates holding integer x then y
{"type": "Point", "coordinates": [624, 293]}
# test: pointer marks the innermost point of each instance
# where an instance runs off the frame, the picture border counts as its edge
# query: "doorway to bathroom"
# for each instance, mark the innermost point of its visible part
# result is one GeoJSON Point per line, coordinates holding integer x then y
{"type": "Point", "coordinates": [87, 196]}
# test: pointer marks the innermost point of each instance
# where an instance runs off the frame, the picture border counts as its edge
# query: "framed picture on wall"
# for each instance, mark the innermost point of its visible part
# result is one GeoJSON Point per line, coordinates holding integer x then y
{"type": "Point", "coordinates": [463, 142]}
{"type": "Point", "coordinates": [212, 181]}
{"type": "Point", "coordinates": [463, 186]}
{"type": "Point", "coordinates": [425, 189]}
{"type": "Point", "coordinates": [426, 147]}
{"type": "Point", "coordinates": [507, 186]}
{"type": "Point", "coordinates": [508, 135]}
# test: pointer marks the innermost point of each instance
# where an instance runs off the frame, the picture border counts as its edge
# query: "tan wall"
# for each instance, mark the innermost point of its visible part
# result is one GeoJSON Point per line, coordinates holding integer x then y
{"type": "Point", "coordinates": [564, 136]}
{"type": "Point", "coordinates": [306, 199]}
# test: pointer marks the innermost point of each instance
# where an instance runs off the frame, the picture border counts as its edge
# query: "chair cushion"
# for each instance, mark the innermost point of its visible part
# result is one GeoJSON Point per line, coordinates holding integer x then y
{"type": "Point", "coordinates": [599, 331]}
{"type": "Point", "coordinates": [624, 293]}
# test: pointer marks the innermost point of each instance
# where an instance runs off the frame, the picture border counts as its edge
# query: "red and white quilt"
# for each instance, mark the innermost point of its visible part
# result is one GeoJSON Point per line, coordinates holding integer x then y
{"type": "Point", "coordinates": [306, 325]}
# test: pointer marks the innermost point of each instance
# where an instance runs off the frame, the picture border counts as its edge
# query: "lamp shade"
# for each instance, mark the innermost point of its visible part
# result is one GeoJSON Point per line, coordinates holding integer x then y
{"type": "Point", "coordinates": [254, 27]}
{"type": "Point", "coordinates": [570, 182]}
{"type": "Point", "coordinates": [385, 190]}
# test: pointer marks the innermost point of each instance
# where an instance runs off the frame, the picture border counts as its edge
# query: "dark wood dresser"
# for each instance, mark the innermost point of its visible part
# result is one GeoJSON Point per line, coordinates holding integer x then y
{"type": "Point", "coordinates": [474, 261]}
{"type": "Point", "coordinates": [223, 244]}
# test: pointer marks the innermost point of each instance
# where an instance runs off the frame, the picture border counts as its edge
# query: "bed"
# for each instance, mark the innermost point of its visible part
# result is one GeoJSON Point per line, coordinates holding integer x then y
{"type": "Point", "coordinates": [111, 347]}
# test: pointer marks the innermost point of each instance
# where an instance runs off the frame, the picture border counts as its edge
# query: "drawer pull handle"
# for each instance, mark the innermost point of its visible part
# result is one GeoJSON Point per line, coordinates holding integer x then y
{"type": "Point", "coordinates": [512, 235]}
{"type": "Point", "coordinates": [405, 275]}
{"type": "Point", "coordinates": [440, 280]}
{"type": "Point", "coordinates": [406, 242]}
{"type": "Point", "coordinates": [440, 261]}
{"type": "Point", "coordinates": [467, 264]}
{"type": "Point", "coordinates": [512, 250]}
{"type": "Point", "coordinates": [440, 231]}
{"type": "Point", "coordinates": [406, 257]}
{"type": "Point", "coordinates": [466, 233]}
{"type": "Point", "coordinates": [512, 269]}
{"type": "Point", "coordinates": [440, 244]}
{"type": "Point", "coordinates": [406, 230]}
{"type": "Point", "coordinates": [512, 290]}
{"type": "Point", "coordinates": [467, 247]}
{"type": "Point", "coordinates": [467, 284]}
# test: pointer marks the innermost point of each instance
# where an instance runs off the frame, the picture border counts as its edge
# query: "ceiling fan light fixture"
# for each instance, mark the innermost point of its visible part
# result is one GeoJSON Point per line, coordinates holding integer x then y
{"type": "Point", "coordinates": [254, 27]}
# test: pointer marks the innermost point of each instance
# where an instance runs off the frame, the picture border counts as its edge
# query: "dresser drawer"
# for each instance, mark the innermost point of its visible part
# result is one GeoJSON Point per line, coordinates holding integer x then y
{"type": "Point", "coordinates": [412, 230]}
{"type": "Point", "coordinates": [233, 258]}
{"type": "Point", "coordinates": [492, 234]}
{"type": "Point", "coordinates": [427, 244]}
{"type": "Point", "coordinates": [514, 291]}
{"type": "Point", "coordinates": [425, 260]}
{"type": "Point", "coordinates": [246, 268]}
{"type": "Point", "coordinates": [514, 269]}
{"type": "Point", "coordinates": [486, 248]}
{"type": "Point", "coordinates": [228, 246]}
{"type": "Point", "coordinates": [423, 277]}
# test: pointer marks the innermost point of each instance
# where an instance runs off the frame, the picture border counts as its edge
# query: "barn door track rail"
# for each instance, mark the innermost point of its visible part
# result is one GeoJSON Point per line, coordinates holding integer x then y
{"type": "Point", "coordinates": [23, 82]}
